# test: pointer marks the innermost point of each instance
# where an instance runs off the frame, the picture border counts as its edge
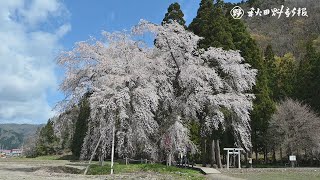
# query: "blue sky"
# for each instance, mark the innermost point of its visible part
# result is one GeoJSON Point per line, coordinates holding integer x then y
{"type": "Point", "coordinates": [33, 32]}
{"type": "Point", "coordinates": [91, 18]}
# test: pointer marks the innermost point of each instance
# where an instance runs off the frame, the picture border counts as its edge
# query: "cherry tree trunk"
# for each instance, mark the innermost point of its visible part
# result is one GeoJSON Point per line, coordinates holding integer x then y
{"type": "Point", "coordinates": [218, 158]}
{"type": "Point", "coordinates": [101, 160]}
{"type": "Point", "coordinates": [213, 153]}
{"type": "Point", "coordinates": [203, 152]}
{"type": "Point", "coordinates": [246, 159]}
{"type": "Point", "coordinates": [169, 159]}
{"type": "Point", "coordinates": [250, 156]}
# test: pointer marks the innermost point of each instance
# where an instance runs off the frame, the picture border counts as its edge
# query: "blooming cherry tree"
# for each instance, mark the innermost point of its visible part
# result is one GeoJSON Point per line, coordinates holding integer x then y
{"type": "Point", "coordinates": [131, 84]}
{"type": "Point", "coordinates": [206, 81]}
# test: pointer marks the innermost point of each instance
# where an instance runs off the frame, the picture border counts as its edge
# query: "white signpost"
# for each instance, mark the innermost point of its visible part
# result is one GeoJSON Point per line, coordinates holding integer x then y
{"type": "Point", "coordinates": [234, 151]}
{"type": "Point", "coordinates": [292, 159]}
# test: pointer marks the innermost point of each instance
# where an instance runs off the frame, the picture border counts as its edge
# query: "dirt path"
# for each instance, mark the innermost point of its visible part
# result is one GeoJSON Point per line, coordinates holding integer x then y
{"type": "Point", "coordinates": [15, 169]}
{"type": "Point", "coordinates": [222, 177]}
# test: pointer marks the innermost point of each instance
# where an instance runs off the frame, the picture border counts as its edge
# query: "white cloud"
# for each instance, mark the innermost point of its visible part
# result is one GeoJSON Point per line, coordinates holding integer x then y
{"type": "Point", "coordinates": [27, 58]}
{"type": "Point", "coordinates": [63, 30]}
{"type": "Point", "coordinates": [40, 9]}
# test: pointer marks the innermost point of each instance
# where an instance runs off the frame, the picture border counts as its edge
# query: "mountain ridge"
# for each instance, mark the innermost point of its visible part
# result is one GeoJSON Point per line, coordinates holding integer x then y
{"type": "Point", "coordinates": [13, 135]}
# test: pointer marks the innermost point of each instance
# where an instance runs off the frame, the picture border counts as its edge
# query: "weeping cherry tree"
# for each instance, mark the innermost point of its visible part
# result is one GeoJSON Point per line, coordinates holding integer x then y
{"type": "Point", "coordinates": [131, 84]}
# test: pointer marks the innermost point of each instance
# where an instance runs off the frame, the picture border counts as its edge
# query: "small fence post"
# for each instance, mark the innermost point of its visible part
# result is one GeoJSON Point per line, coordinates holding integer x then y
{"type": "Point", "coordinates": [126, 161]}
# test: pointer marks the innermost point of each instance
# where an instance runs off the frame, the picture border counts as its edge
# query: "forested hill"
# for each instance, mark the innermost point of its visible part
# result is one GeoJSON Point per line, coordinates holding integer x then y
{"type": "Point", "coordinates": [13, 135]}
{"type": "Point", "coordinates": [285, 34]}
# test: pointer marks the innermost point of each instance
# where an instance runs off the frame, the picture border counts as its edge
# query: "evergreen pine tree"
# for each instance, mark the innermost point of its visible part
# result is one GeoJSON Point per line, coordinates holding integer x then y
{"type": "Point", "coordinates": [263, 108]}
{"type": "Point", "coordinates": [211, 24]}
{"type": "Point", "coordinates": [47, 143]}
{"type": "Point", "coordinates": [174, 14]}
{"type": "Point", "coordinates": [200, 24]}
{"type": "Point", "coordinates": [81, 126]}
{"type": "Point", "coordinates": [242, 41]}
{"type": "Point", "coordinates": [221, 30]}
{"type": "Point", "coordinates": [307, 79]}
{"type": "Point", "coordinates": [263, 105]}
{"type": "Point", "coordinates": [269, 58]}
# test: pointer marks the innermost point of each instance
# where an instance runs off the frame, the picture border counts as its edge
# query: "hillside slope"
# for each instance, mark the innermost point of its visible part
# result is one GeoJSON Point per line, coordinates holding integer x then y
{"type": "Point", "coordinates": [286, 34]}
{"type": "Point", "coordinates": [13, 135]}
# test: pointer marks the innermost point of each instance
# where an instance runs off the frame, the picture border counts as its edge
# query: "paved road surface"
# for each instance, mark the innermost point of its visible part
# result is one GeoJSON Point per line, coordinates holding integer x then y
{"type": "Point", "coordinates": [215, 174]}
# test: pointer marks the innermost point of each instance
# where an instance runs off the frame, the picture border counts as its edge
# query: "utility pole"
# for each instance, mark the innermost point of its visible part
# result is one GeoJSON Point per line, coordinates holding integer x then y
{"type": "Point", "coordinates": [112, 150]}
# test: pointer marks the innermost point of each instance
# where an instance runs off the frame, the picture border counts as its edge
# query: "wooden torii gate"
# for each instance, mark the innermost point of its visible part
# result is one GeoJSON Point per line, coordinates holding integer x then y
{"type": "Point", "coordinates": [234, 151]}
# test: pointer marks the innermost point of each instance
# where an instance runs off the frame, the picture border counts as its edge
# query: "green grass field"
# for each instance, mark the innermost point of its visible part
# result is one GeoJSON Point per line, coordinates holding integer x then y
{"type": "Point", "coordinates": [157, 168]}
